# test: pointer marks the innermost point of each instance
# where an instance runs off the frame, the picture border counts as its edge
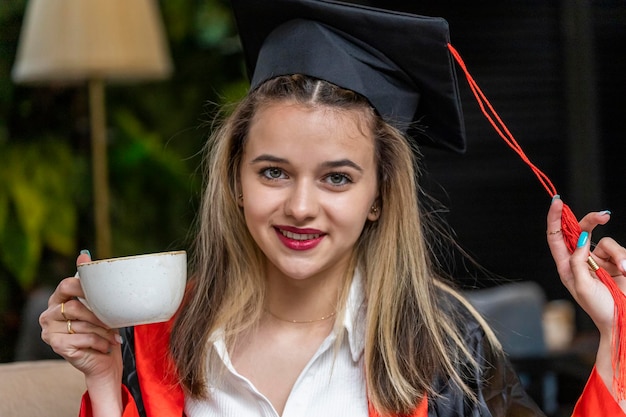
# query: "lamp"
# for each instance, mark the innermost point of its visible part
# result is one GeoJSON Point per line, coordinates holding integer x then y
{"type": "Point", "coordinates": [93, 41]}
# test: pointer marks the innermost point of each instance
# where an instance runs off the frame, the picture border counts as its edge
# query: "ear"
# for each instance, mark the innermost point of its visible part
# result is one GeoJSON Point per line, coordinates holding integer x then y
{"type": "Point", "coordinates": [374, 212]}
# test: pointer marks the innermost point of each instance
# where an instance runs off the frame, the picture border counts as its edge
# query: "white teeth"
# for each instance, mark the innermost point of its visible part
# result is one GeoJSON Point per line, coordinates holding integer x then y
{"type": "Point", "coordinates": [298, 236]}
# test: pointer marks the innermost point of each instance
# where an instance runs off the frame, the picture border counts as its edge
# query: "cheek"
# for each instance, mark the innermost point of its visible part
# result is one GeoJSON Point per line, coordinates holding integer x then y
{"type": "Point", "coordinates": [253, 211]}
{"type": "Point", "coordinates": [350, 214]}
{"type": "Point", "coordinates": [258, 209]}
{"type": "Point", "coordinates": [259, 199]}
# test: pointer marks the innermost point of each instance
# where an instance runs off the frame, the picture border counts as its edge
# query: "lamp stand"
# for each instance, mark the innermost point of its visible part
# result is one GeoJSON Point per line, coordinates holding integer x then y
{"type": "Point", "coordinates": [99, 167]}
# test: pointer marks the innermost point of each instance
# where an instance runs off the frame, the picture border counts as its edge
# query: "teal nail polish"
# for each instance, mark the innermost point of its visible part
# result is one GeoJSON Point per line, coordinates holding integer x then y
{"type": "Point", "coordinates": [85, 252]}
{"type": "Point", "coordinates": [556, 197]}
{"type": "Point", "coordinates": [582, 239]}
{"type": "Point", "coordinates": [604, 212]}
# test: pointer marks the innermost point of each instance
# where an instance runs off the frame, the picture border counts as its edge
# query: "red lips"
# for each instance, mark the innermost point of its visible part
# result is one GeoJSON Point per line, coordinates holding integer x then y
{"type": "Point", "coordinates": [299, 239]}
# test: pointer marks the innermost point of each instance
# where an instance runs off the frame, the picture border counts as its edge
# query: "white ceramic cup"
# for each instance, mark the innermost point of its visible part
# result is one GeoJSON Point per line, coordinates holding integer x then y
{"type": "Point", "coordinates": [134, 290]}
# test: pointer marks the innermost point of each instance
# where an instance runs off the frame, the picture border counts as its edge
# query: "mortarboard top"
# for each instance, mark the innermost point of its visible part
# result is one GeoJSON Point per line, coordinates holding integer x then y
{"type": "Point", "coordinates": [399, 61]}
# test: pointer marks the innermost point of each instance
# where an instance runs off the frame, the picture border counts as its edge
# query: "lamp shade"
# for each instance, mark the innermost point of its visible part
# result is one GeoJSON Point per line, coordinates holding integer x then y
{"type": "Point", "coordinates": [75, 40]}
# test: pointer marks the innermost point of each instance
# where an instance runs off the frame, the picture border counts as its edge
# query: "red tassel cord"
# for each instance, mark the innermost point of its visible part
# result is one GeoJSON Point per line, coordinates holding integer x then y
{"type": "Point", "coordinates": [569, 226]}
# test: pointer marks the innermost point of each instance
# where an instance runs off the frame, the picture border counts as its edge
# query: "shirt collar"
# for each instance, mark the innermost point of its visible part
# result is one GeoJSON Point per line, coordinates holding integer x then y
{"type": "Point", "coordinates": [354, 317]}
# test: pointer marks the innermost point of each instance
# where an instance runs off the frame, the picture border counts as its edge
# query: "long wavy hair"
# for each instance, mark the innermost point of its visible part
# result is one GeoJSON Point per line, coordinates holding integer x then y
{"type": "Point", "coordinates": [410, 336]}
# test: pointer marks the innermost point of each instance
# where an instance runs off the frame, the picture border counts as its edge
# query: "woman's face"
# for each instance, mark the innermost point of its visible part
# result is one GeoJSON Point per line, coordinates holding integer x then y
{"type": "Point", "coordinates": [308, 179]}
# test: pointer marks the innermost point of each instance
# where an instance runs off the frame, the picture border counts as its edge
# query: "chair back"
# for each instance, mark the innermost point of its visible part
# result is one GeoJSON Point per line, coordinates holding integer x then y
{"type": "Point", "coordinates": [46, 388]}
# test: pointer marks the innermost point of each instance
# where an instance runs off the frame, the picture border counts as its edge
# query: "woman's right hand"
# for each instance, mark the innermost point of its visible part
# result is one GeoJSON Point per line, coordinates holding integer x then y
{"type": "Point", "coordinates": [75, 333]}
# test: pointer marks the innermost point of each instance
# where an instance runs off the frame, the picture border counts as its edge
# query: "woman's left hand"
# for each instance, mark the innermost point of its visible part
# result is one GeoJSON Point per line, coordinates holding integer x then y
{"type": "Point", "coordinates": [588, 291]}
{"type": "Point", "coordinates": [591, 294]}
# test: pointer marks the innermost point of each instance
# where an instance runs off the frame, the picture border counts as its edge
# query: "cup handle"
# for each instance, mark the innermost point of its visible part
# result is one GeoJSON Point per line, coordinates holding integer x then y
{"type": "Point", "coordinates": [82, 300]}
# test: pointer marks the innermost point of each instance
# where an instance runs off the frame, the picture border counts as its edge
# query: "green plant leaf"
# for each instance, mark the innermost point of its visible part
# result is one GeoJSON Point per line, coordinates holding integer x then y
{"type": "Point", "coordinates": [37, 205]}
{"type": "Point", "coordinates": [59, 231]}
{"type": "Point", "coordinates": [30, 206]}
{"type": "Point", "coordinates": [141, 147]}
{"type": "Point", "coordinates": [20, 253]}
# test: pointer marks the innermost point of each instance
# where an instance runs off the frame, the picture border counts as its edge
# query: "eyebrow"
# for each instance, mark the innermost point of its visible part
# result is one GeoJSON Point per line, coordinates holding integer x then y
{"type": "Point", "coordinates": [269, 158]}
{"type": "Point", "coordinates": [342, 163]}
{"type": "Point", "coordinates": [328, 164]}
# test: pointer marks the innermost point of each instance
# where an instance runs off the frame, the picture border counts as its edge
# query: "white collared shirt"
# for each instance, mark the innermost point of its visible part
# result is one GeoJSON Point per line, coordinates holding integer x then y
{"type": "Point", "coordinates": [331, 384]}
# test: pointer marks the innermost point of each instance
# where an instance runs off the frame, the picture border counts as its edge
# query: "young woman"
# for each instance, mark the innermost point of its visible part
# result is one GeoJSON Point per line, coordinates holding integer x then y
{"type": "Point", "coordinates": [312, 290]}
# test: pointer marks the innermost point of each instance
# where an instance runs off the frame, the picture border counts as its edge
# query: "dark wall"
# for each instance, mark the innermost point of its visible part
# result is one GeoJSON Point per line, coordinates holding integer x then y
{"type": "Point", "coordinates": [521, 56]}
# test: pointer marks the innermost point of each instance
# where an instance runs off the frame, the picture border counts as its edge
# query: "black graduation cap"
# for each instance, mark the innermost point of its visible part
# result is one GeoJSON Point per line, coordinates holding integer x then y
{"type": "Point", "coordinates": [399, 61]}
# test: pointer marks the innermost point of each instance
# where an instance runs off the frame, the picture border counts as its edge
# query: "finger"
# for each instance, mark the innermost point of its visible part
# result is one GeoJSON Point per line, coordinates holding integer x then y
{"type": "Point", "coordinates": [593, 219]}
{"type": "Point", "coordinates": [61, 334]}
{"type": "Point", "coordinates": [75, 310]}
{"type": "Point", "coordinates": [611, 256]}
{"type": "Point", "coordinates": [83, 327]}
{"type": "Point", "coordinates": [65, 344]}
{"type": "Point", "coordinates": [70, 310]}
{"type": "Point", "coordinates": [583, 278]}
{"type": "Point", "coordinates": [579, 278]}
{"type": "Point", "coordinates": [592, 295]}
{"type": "Point", "coordinates": [557, 246]}
{"type": "Point", "coordinates": [70, 287]}
{"type": "Point", "coordinates": [84, 257]}
{"type": "Point", "coordinates": [67, 289]}
{"type": "Point", "coordinates": [554, 217]}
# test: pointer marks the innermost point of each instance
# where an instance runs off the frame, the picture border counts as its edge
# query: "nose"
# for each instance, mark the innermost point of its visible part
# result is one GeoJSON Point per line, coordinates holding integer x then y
{"type": "Point", "coordinates": [302, 202]}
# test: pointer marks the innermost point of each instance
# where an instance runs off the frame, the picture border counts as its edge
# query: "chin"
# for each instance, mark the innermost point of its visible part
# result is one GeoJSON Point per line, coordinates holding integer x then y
{"type": "Point", "coordinates": [298, 275]}
{"type": "Point", "coordinates": [296, 272]}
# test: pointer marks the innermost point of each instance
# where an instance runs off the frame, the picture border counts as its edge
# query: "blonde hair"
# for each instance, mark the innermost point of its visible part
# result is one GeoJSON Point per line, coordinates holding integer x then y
{"type": "Point", "coordinates": [410, 337]}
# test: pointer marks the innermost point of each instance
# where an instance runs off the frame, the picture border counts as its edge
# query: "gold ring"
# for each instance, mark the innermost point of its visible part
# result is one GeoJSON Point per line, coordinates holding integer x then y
{"type": "Point", "coordinates": [69, 327]}
{"type": "Point", "coordinates": [554, 232]}
{"type": "Point", "coordinates": [63, 311]}
{"type": "Point", "coordinates": [592, 264]}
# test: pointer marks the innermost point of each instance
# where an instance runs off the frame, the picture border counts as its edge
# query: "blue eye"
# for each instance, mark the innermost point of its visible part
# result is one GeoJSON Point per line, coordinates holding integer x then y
{"type": "Point", "coordinates": [338, 179]}
{"type": "Point", "coordinates": [272, 173]}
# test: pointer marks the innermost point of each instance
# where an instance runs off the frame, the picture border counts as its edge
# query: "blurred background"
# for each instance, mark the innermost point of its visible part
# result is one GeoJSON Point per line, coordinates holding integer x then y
{"type": "Point", "coordinates": [155, 131]}
{"type": "Point", "coordinates": [554, 70]}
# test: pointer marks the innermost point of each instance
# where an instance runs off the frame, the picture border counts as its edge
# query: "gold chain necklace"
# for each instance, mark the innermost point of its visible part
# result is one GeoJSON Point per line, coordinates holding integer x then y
{"type": "Point", "coordinates": [300, 321]}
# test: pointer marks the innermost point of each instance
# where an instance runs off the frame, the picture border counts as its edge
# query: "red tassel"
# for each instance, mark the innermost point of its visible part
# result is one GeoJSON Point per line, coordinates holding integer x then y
{"type": "Point", "coordinates": [571, 231]}
{"type": "Point", "coordinates": [570, 228]}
